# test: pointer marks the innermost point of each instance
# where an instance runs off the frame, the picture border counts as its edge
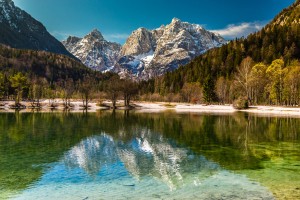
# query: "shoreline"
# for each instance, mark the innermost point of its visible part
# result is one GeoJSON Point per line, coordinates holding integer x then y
{"type": "Point", "coordinates": [160, 107]}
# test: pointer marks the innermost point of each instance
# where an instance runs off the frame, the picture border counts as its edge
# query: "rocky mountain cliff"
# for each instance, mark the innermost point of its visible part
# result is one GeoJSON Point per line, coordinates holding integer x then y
{"type": "Point", "coordinates": [146, 53]}
{"type": "Point", "coordinates": [94, 51]}
{"type": "Point", "coordinates": [152, 53]}
{"type": "Point", "coordinates": [19, 30]}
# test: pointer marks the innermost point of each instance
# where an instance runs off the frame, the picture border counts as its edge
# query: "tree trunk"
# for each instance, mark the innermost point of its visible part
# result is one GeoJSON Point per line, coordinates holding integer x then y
{"type": "Point", "coordinates": [128, 101]}
{"type": "Point", "coordinates": [86, 101]}
{"type": "Point", "coordinates": [114, 104]}
{"type": "Point", "coordinates": [125, 100]}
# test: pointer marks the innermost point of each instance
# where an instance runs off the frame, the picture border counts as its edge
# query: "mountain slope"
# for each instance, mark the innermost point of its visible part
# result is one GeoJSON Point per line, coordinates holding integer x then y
{"type": "Point", "coordinates": [19, 30]}
{"type": "Point", "coordinates": [50, 66]}
{"type": "Point", "coordinates": [94, 51]}
{"type": "Point", "coordinates": [279, 39]}
{"type": "Point", "coordinates": [148, 53]}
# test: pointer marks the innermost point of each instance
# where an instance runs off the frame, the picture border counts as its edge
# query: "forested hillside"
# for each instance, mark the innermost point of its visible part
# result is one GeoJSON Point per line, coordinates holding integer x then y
{"type": "Point", "coordinates": [232, 71]}
{"type": "Point", "coordinates": [42, 64]}
{"type": "Point", "coordinates": [28, 74]}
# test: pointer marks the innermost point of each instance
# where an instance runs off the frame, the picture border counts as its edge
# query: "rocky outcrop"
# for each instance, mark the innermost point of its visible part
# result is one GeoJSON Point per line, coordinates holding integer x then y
{"type": "Point", "coordinates": [140, 42]}
{"type": "Point", "coordinates": [147, 54]}
{"type": "Point", "coordinates": [94, 51]}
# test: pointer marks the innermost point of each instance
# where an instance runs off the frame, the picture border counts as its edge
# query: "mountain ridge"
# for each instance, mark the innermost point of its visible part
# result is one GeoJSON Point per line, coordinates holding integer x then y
{"type": "Point", "coordinates": [18, 29]}
{"type": "Point", "coordinates": [147, 53]}
{"type": "Point", "coordinates": [280, 39]}
{"type": "Point", "coordinates": [93, 50]}
{"type": "Point", "coordinates": [165, 49]}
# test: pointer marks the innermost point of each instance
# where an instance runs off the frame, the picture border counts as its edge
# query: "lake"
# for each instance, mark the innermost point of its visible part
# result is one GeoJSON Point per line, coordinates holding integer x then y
{"type": "Point", "coordinates": [135, 155]}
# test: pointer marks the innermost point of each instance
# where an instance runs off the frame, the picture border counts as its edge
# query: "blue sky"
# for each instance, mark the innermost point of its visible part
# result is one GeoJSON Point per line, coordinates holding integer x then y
{"type": "Point", "coordinates": [116, 19]}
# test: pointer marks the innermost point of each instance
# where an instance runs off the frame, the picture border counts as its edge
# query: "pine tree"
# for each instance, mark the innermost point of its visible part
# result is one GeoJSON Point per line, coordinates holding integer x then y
{"type": "Point", "coordinates": [209, 90]}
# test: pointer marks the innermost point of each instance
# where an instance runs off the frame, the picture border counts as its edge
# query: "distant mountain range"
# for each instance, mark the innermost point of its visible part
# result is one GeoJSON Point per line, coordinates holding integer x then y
{"type": "Point", "coordinates": [19, 30]}
{"type": "Point", "coordinates": [146, 53]}
{"type": "Point", "coordinates": [150, 53]}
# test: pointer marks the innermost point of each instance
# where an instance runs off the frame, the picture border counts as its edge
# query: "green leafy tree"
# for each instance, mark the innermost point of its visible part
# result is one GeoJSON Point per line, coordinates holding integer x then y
{"type": "Point", "coordinates": [292, 85]}
{"type": "Point", "coordinates": [258, 81]}
{"type": "Point", "coordinates": [276, 73]}
{"type": "Point", "coordinates": [37, 90]}
{"type": "Point", "coordinates": [68, 89]}
{"type": "Point", "coordinates": [51, 94]}
{"type": "Point", "coordinates": [18, 83]}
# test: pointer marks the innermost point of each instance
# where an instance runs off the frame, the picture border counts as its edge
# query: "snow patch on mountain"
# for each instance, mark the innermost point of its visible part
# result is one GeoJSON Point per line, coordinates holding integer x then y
{"type": "Point", "coordinates": [171, 46]}
{"type": "Point", "coordinates": [94, 51]}
{"type": "Point", "coordinates": [146, 53]}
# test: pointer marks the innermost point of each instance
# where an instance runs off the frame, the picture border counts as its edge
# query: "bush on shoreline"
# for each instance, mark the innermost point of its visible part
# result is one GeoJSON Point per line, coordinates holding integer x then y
{"type": "Point", "coordinates": [241, 103]}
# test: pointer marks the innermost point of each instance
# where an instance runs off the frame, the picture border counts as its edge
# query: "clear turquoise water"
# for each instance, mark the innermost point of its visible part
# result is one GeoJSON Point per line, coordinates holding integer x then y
{"type": "Point", "coordinates": [132, 155]}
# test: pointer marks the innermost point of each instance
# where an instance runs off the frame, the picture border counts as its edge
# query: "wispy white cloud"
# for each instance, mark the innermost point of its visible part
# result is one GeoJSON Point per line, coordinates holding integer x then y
{"type": "Point", "coordinates": [233, 31]}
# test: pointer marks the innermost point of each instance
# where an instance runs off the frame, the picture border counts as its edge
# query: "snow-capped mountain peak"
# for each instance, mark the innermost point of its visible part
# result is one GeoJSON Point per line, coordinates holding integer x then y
{"type": "Point", "coordinates": [175, 20]}
{"type": "Point", "coordinates": [164, 49]}
{"type": "Point", "coordinates": [94, 51]}
{"type": "Point", "coordinates": [96, 35]}
{"type": "Point", "coordinates": [146, 53]}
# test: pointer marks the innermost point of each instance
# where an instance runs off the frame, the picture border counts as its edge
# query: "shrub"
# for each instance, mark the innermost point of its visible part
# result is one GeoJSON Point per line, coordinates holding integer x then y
{"type": "Point", "coordinates": [241, 103]}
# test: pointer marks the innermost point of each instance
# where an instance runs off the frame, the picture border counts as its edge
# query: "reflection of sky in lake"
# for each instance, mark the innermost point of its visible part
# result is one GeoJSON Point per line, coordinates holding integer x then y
{"type": "Point", "coordinates": [147, 166]}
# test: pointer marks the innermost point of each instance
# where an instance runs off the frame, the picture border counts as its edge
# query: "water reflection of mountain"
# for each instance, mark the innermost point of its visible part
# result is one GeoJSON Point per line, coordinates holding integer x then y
{"type": "Point", "coordinates": [92, 153]}
{"type": "Point", "coordinates": [30, 142]}
{"type": "Point", "coordinates": [147, 154]}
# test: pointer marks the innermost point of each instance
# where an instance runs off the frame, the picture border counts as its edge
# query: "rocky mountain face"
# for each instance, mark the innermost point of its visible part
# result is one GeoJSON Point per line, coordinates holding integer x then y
{"type": "Point", "coordinates": [19, 30]}
{"type": "Point", "coordinates": [146, 53]}
{"type": "Point", "coordinates": [94, 51]}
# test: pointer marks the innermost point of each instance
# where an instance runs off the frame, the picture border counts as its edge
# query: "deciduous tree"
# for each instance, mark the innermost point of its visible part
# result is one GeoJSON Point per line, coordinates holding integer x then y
{"type": "Point", "coordinates": [276, 73]}
{"type": "Point", "coordinates": [258, 81]}
{"type": "Point", "coordinates": [19, 83]}
{"type": "Point", "coordinates": [191, 92]}
{"type": "Point", "coordinates": [86, 87]}
{"type": "Point", "coordinates": [242, 77]}
{"type": "Point", "coordinates": [113, 89]}
{"type": "Point", "coordinates": [129, 89]}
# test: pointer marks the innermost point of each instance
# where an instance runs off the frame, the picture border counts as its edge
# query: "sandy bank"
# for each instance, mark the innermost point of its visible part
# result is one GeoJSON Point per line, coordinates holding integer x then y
{"type": "Point", "coordinates": [260, 110]}
{"type": "Point", "coordinates": [160, 107]}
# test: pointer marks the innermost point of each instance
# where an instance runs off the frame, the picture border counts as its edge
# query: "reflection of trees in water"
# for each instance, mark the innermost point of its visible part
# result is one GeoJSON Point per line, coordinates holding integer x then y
{"type": "Point", "coordinates": [147, 154]}
{"type": "Point", "coordinates": [29, 141]}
